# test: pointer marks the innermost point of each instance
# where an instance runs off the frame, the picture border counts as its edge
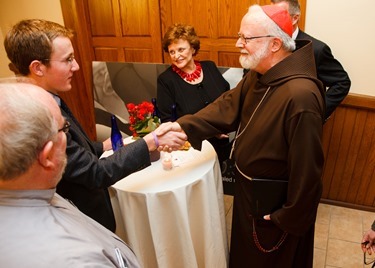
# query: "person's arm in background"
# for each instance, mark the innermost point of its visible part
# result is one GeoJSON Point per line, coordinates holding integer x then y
{"type": "Point", "coordinates": [368, 240]}
{"type": "Point", "coordinates": [334, 77]}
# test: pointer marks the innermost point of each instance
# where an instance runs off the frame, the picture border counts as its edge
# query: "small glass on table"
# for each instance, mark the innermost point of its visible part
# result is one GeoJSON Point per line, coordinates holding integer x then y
{"type": "Point", "coordinates": [167, 161]}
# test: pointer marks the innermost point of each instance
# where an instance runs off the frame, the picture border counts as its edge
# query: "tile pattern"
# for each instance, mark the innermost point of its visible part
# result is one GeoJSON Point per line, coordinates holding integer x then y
{"type": "Point", "coordinates": [338, 233]}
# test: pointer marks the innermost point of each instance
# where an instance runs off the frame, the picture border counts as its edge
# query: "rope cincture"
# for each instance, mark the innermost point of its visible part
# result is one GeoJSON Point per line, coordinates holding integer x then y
{"type": "Point", "coordinates": [261, 248]}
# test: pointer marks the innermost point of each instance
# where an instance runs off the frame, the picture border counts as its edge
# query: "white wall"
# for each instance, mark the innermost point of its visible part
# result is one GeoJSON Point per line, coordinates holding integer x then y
{"type": "Point", "coordinates": [346, 26]}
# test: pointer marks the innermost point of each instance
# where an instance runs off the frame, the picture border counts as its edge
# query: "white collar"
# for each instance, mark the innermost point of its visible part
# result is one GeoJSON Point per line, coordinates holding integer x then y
{"type": "Point", "coordinates": [295, 33]}
{"type": "Point", "coordinates": [56, 98]}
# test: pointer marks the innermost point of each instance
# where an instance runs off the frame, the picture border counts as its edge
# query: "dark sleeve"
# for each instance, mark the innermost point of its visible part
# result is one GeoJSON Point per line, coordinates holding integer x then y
{"type": "Point", "coordinates": [333, 76]}
{"type": "Point", "coordinates": [85, 168]}
{"type": "Point", "coordinates": [98, 147]}
{"type": "Point", "coordinates": [165, 96]}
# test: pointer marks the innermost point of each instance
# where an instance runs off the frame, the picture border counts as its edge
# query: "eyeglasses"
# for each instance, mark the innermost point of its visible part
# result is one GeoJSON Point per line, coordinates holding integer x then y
{"type": "Point", "coordinates": [368, 259]}
{"type": "Point", "coordinates": [246, 39]}
{"type": "Point", "coordinates": [68, 60]}
{"type": "Point", "coordinates": [65, 128]}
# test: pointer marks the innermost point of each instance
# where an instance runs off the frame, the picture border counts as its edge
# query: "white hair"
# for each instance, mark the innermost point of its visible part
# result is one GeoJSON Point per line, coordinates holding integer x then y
{"type": "Point", "coordinates": [26, 125]}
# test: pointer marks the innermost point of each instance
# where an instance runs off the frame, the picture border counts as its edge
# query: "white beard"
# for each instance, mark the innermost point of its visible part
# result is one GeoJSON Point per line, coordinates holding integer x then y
{"type": "Point", "coordinates": [250, 62]}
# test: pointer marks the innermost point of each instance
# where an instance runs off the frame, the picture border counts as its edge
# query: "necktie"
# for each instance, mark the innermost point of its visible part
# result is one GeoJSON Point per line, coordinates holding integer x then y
{"type": "Point", "coordinates": [66, 109]}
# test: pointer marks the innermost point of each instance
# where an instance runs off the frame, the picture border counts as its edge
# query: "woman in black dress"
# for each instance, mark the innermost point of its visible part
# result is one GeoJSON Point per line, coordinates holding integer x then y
{"type": "Point", "coordinates": [188, 85]}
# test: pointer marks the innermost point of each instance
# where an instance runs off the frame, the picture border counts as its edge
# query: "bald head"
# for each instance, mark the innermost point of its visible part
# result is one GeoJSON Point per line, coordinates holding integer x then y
{"type": "Point", "coordinates": [29, 118]}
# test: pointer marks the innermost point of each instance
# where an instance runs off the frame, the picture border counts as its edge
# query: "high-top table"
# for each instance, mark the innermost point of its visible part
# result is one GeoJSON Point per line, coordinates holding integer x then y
{"type": "Point", "coordinates": [174, 218]}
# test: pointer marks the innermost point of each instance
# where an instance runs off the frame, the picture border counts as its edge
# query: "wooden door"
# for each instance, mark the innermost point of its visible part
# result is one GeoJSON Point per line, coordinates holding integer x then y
{"type": "Point", "coordinates": [125, 30]}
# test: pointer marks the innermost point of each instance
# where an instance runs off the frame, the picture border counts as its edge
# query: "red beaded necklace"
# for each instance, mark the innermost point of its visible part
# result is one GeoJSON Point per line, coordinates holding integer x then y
{"type": "Point", "coordinates": [189, 77]}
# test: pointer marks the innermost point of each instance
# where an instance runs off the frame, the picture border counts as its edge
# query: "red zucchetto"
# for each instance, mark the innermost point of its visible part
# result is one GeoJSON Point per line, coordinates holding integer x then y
{"type": "Point", "coordinates": [280, 16]}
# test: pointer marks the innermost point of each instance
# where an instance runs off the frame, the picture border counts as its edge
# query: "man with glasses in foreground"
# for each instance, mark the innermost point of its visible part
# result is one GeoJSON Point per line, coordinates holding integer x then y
{"type": "Point", "coordinates": [278, 111]}
{"type": "Point", "coordinates": [42, 51]}
{"type": "Point", "coordinates": [38, 227]}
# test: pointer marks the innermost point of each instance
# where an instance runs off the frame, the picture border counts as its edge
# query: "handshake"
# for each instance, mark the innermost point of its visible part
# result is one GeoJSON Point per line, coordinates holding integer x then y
{"type": "Point", "coordinates": [167, 137]}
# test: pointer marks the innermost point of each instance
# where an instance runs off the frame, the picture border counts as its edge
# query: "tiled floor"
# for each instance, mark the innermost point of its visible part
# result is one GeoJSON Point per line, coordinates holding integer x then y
{"type": "Point", "coordinates": [338, 232]}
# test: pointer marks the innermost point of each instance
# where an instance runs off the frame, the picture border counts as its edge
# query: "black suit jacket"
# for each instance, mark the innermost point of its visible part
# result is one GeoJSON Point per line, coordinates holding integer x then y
{"type": "Point", "coordinates": [86, 177]}
{"type": "Point", "coordinates": [330, 72]}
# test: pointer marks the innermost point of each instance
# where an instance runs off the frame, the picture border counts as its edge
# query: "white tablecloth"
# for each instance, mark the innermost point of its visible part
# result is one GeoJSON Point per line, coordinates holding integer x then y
{"type": "Point", "coordinates": [174, 218]}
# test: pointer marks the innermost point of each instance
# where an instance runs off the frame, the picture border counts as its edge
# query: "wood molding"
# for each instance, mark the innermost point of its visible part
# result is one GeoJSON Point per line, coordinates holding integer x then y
{"type": "Point", "coordinates": [349, 149]}
{"type": "Point", "coordinates": [359, 101]}
{"type": "Point", "coordinates": [347, 205]}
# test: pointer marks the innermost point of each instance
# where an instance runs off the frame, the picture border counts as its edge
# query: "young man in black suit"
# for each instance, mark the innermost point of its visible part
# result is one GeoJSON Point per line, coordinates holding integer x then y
{"type": "Point", "coordinates": [43, 52]}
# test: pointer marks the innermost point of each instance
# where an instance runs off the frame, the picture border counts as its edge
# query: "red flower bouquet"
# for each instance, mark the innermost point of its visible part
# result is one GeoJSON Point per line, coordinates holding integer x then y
{"type": "Point", "coordinates": [141, 118]}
